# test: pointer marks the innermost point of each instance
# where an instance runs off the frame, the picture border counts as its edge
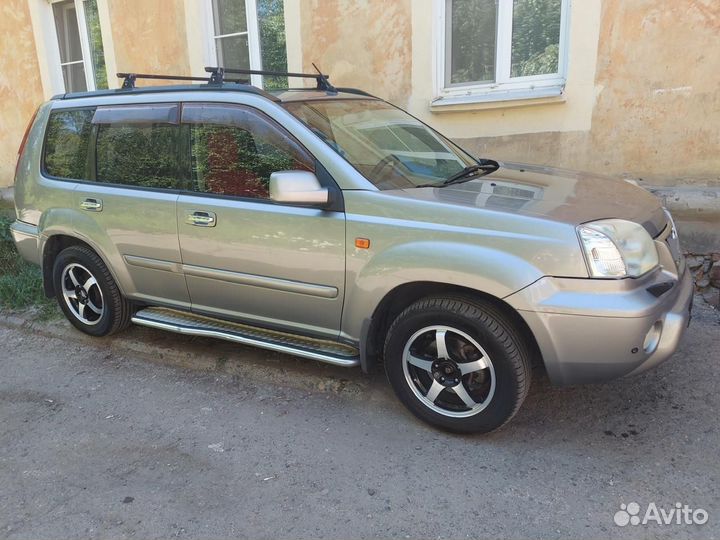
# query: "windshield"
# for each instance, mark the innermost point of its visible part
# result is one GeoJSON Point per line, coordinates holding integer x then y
{"type": "Point", "coordinates": [388, 146]}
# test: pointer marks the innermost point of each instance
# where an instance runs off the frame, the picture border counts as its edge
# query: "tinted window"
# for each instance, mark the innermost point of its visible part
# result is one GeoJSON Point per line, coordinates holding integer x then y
{"type": "Point", "coordinates": [137, 153]}
{"type": "Point", "coordinates": [67, 143]}
{"type": "Point", "coordinates": [235, 150]}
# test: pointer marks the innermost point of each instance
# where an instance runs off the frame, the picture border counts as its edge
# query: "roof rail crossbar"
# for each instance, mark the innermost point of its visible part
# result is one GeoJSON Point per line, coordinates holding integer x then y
{"type": "Point", "coordinates": [215, 78]}
{"type": "Point", "coordinates": [323, 82]}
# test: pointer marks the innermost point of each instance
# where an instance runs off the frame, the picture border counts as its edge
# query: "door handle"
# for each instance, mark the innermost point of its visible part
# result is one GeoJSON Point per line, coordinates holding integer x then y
{"type": "Point", "coordinates": [92, 205]}
{"type": "Point", "coordinates": [201, 219]}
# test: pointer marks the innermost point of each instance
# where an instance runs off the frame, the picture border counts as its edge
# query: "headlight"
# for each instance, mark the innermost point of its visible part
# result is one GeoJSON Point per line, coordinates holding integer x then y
{"type": "Point", "coordinates": [615, 248]}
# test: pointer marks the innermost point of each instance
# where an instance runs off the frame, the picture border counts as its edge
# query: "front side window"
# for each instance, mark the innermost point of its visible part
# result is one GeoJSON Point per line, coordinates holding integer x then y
{"type": "Point", "coordinates": [140, 146]}
{"type": "Point", "coordinates": [502, 45]}
{"type": "Point", "coordinates": [388, 146]}
{"type": "Point", "coordinates": [235, 149]}
{"type": "Point", "coordinates": [82, 60]}
{"type": "Point", "coordinates": [67, 142]}
{"type": "Point", "coordinates": [249, 34]}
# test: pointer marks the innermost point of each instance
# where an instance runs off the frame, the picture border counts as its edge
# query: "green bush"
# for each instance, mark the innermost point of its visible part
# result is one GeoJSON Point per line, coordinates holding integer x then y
{"type": "Point", "coordinates": [20, 282]}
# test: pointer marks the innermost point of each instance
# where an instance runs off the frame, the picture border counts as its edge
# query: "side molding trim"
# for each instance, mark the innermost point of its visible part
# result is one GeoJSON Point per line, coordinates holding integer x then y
{"type": "Point", "coordinates": [153, 264]}
{"type": "Point", "coordinates": [286, 285]}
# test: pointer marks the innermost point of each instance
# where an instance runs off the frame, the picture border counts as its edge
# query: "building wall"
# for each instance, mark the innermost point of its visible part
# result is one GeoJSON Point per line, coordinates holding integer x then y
{"type": "Point", "coordinates": [657, 99]}
{"type": "Point", "coordinates": [20, 87]}
{"type": "Point", "coordinates": [642, 98]}
{"type": "Point", "coordinates": [149, 37]}
{"type": "Point", "coordinates": [361, 43]}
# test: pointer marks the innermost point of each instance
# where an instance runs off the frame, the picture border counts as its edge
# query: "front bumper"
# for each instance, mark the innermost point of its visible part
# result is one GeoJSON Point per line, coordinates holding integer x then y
{"type": "Point", "coordinates": [595, 330]}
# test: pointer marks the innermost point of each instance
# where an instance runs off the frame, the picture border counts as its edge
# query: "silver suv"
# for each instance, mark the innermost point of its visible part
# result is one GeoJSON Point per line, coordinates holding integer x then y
{"type": "Point", "coordinates": [332, 225]}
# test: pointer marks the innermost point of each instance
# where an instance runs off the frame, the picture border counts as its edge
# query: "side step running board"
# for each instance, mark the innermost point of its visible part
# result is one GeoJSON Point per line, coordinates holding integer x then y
{"type": "Point", "coordinates": [183, 322]}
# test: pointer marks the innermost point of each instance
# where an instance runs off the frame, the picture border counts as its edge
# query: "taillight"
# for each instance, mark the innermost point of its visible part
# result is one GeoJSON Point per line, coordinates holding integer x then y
{"type": "Point", "coordinates": [24, 140]}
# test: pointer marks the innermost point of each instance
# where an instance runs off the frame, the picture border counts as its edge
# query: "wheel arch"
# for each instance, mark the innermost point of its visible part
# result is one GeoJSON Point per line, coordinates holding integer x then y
{"type": "Point", "coordinates": [51, 248]}
{"type": "Point", "coordinates": [396, 300]}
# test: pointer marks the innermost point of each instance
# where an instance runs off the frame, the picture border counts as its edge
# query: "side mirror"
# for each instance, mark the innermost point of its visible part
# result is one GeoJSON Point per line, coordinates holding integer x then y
{"type": "Point", "coordinates": [297, 187]}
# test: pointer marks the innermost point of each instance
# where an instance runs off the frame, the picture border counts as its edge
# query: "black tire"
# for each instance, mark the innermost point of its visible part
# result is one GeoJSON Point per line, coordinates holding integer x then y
{"type": "Point", "coordinates": [490, 328]}
{"type": "Point", "coordinates": [116, 310]}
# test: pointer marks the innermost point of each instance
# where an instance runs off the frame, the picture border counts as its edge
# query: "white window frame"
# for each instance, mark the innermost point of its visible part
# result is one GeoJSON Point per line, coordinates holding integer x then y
{"type": "Point", "coordinates": [253, 33]}
{"type": "Point", "coordinates": [504, 88]}
{"type": "Point", "coordinates": [84, 45]}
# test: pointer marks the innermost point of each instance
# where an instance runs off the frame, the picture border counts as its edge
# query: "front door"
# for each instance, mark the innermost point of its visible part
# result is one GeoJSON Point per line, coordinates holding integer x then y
{"type": "Point", "coordinates": [244, 256]}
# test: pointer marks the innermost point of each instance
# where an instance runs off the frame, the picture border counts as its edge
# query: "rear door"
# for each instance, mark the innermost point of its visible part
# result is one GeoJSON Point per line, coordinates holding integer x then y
{"type": "Point", "coordinates": [130, 204]}
{"type": "Point", "coordinates": [244, 256]}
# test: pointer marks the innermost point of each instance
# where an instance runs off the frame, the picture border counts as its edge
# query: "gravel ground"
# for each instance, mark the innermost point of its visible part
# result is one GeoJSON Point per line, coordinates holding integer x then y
{"type": "Point", "coordinates": [152, 435]}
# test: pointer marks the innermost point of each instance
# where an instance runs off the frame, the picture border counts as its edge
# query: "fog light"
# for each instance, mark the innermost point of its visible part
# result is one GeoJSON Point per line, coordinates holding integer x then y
{"type": "Point", "coordinates": [653, 338]}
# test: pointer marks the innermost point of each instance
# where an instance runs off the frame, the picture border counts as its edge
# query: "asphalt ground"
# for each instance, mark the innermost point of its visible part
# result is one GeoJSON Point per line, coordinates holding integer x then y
{"type": "Point", "coordinates": [155, 435]}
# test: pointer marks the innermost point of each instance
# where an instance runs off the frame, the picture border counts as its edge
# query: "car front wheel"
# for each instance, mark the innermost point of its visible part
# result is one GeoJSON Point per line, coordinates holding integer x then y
{"type": "Point", "coordinates": [458, 363]}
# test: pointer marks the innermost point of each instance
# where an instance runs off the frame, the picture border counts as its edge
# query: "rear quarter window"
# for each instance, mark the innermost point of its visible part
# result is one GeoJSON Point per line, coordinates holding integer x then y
{"type": "Point", "coordinates": [67, 143]}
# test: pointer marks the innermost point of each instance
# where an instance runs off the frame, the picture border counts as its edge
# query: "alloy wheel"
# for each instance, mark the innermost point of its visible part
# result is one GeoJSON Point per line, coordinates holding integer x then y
{"type": "Point", "coordinates": [82, 294]}
{"type": "Point", "coordinates": [448, 371]}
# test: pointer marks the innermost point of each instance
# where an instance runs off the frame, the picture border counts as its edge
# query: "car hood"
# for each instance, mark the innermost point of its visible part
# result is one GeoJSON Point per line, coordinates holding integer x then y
{"type": "Point", "coordinates": [559, 194]}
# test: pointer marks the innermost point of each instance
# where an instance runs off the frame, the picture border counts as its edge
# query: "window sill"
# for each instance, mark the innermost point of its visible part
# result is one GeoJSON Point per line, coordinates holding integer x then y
{"type": "Point", "coordinates": [498, 99]}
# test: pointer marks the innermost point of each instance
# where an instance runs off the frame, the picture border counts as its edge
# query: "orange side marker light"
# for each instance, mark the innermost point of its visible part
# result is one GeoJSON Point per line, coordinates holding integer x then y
{"type": "Point", "coordinates": [362, 243]}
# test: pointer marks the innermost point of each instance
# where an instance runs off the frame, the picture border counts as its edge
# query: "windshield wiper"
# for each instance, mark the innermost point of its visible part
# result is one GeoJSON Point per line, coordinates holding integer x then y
{"type": "Point", "coordinates": [487, 166]}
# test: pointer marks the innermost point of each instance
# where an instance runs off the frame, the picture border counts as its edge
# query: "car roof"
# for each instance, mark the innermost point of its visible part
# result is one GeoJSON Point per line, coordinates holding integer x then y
{"type": "Point", "coordinates": [278, 96]}
{"type": "Point", "coordinates": [225, 87]}
{"type": "Point", "coordinates": [312, 94]}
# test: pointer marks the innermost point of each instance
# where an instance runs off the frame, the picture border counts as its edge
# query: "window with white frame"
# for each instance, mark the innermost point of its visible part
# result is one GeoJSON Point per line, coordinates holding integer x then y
{"type": "Point", "coordinates": [77, 26]}
{"type": "Point", "coordinates": [233, 25]}
{"type": "Point", "coordinates": [248, 34]}
{"type": "Point", "coordinates": [500, 49]}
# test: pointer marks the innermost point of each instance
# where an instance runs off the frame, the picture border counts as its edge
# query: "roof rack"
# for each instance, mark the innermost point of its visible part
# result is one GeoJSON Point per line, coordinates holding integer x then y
{"type": "Point", "coordinates": [218, 76]}
{"type": "Point", "coordinates": [214, 78]}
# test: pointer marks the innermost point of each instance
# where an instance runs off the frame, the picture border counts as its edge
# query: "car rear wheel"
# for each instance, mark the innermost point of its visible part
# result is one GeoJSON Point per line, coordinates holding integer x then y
{"type": "Point", "coordinates": [458, 364]}
{"type": "Point", "coordinates": [88, 294]}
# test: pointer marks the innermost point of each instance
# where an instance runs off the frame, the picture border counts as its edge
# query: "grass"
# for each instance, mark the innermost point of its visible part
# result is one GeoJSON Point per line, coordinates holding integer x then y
{"type": "Point", "coordinates": [20, 282]}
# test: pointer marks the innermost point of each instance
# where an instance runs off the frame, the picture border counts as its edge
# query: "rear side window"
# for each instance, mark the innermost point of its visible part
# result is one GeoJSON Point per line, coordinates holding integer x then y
{"type": "Point", "coordinates": [140, 146]}
{"type": "Point", "coordinates": [67, 143]}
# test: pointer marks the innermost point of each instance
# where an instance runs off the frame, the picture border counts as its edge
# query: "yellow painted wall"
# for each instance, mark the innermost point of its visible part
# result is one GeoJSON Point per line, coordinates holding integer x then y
{"type": "Point", "coordinates": [658, 111]}
{"type": "Point", "coordinates": [657, 99]}
{"type": "Point", "coordinates": [642, 97]}
{"type": "Point", "coordinates": [150, 37]}
{"type": "Point", "coordinates": [362, 43]}
{"type": "Point", "coordinates": [20, 88]}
